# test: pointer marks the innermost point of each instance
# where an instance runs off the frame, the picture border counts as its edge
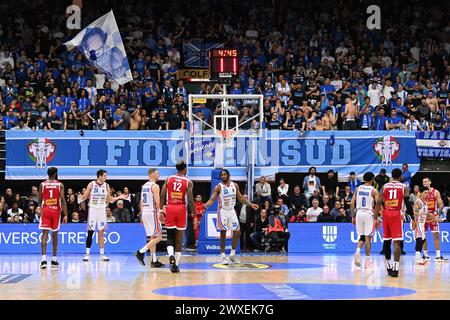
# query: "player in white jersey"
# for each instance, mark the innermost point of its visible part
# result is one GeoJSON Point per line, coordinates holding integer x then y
{"type": "Point", "coordinates": [361, 206]}
{"type": "Point", "coordinates": [99, 197]}
{"type": "Point", "coordinates": [421, 216]}
{"type": "Point", "coordinates": [149, 207]}
{"type": "Point", "coordinates": [228, 192]}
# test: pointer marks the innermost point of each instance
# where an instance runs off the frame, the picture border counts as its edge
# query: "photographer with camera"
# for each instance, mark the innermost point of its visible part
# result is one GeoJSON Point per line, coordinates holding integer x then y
{"type": "Point", "coordinates": [278, 232]}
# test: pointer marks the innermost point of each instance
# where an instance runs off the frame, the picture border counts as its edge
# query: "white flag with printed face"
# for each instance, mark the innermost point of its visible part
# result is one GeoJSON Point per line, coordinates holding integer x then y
{"type": "Point", "coordinates": [102, 45]}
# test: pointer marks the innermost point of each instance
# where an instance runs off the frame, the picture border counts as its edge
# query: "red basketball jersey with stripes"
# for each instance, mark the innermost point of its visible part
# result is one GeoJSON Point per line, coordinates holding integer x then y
{"type": "Point", "coordinates": [177, 189]}
{"type": "Point", "coordinates": [393, 193]}
{"type": "Point", "coordinates": [51, 192]}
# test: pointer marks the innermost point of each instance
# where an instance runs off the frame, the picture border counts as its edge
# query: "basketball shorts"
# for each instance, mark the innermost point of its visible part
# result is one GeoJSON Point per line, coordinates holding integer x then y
{"type": "Point", "coordinates": [364, 223]}
{"type": "Point", "coordinates": [176, 216]}
{"type": "Point", "coordinates": [151, 223]}
{"type": "Point", "coordinates": [392, 225]}
{"type": "Point", "coordinates": [227, 220]}
{"type": "Point", "coordinates": [97, 219]}
{"type": "Point", "coordinates": [50, 219]}
{"type": "Point", "coordinates": [433, 226]}
{"type": "Point", "coordinates": [419, 231]}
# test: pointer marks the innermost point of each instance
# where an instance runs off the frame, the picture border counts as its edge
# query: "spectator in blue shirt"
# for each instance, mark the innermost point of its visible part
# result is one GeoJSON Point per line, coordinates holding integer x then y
{"type": "Point", "coordinates": [406, 175]}
{"type": "Point", "coordinates": [353, 182]}
{"type": "Point", "coordinates": [139, 63]}
{"type": "Point", "coordinates": [380, 120]}
{"type": "Point", "coordinates": [10, 120]}
{"type": "Point", "coordinates": [393, 122]}
{"type": "Point", "coordinates": [118, 118]}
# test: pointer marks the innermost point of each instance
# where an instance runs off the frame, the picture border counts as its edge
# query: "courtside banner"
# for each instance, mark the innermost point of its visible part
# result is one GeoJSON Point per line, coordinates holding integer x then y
{"type": "Point", "coordinates": [433, 144]}
{"type": "Point", "coordinates": [342, 238]}
{"type": "Point", "coordinates": [26, 238]}
{"type": "Point", "coordinates": [127, 155]}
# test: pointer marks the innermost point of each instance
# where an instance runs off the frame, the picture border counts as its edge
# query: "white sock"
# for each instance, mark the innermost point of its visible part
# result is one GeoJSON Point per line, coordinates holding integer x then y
{"type": "Point", "coordinates": [102, 251]}
{"type": "Point", "coordinates": [222, 255]}
{"type": "Point", "coordinates": [154, 259]}
{"type": "Point", "coordinates": [44, 257]}
{"type": "Point", "coordinates": [233, 252]}
{"type": "Point", "coordinates": [177, 258]}
{"type": "Point", "coordinates": [54, 259]}
{"type": "Point", "coordinates": [396, 265]}
{"type": "Point", "coordinates": [144, 249]}
{"type": "Point", "coordinates": [425, 253]}
{"type": "Point", "coordinates": [358, 250]}
{"type": "Point", "coordinates": [438, 253]}
{"type": "Point", "coordinates": [388, 264]}
{"type": "Point", "coordinates": [170, 250]}
{"type": "Point", "coordinates": [417, 254]}
{"type": "Point", "coordinates": [88, 250]}
{"type": "Point", "coordinates": [367, 258]}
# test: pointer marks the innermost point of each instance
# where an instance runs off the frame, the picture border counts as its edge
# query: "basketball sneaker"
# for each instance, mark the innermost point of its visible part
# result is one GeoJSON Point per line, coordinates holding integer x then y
{"type": "Point", "coordinates": [394, 273]}
{"type": "Point", "coordinates": [104, 258]}
{"type": "Point", "coordinates": [441, 259]}
{"type": "Point", "coordinates": [426, 258]}
{"type": "Point", "coordinates": [172, 260]}
{"type": "Point", "coordinates": [389, 271]}
{"type": "Point", "coordinates": [140, 257]}
{"type": "Point", "coordinates": [224, 260]}
{"type": "Point", "coordinates": [368, 265]}
{"type": "Point", "coordinates": [55, 264]}
{"type": "Point", "coordinates": [86, 258]}
{"type": "Point", "coordinates": [44, 264]}
{"type": "Point", "coordinates": [357, 259]}
{"type": "Point", "coordinates": [174, 268]}
{"type": "Point", "coordinates": [234, 259]}
{"type": "Point", "coordinates": [421, 262]}
{"type": "Point", "coordinates": [157, 264]}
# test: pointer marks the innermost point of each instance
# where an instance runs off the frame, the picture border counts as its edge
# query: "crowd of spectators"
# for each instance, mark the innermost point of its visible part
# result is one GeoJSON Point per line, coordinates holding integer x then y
{"type": "Point", "coordinates": [318, 66]}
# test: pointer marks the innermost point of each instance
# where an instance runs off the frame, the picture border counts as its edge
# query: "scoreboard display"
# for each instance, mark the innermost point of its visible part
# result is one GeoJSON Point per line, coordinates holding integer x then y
{"type": "Point", "coordinates": [223, 63]}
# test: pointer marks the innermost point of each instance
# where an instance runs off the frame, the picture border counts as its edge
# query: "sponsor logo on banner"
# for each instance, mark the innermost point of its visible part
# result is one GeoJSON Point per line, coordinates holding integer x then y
{"type": "Point", "coordinates": [41, 151]}
{"type": "Point", "coordinates": [193, 73]}
{"type": "Point", "coordinates": [387, 150]}
{"type": "Point", "coordinates": [342, 238]}
{"type": "Point", "coordinates": [329, 234]}
{"type": "Point", "coordinates": [212, 232]}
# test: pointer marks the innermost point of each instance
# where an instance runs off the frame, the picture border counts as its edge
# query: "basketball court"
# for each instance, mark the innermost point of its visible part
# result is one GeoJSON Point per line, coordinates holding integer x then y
{"type": "Point", "coordinates": [260, 277]}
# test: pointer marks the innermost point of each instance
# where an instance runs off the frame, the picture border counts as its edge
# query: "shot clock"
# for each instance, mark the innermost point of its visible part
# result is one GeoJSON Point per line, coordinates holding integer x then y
{"type": "Point", "coordinates": [223, 64]}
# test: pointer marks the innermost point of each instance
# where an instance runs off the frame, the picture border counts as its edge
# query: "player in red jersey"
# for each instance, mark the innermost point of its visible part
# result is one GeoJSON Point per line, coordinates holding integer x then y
{"type": "Point", "coordinates": [177, 192]}
{"type": "Point", "coordinates": [52, 200]}
{"type": "Point", "coordinates": [391, 198]}
{"type": "Point", "coordinates": [435, 205]}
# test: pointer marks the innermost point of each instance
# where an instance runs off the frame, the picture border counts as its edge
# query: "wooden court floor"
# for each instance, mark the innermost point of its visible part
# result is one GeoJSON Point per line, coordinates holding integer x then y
{"type": "Point", "coordinates": [261, 277]}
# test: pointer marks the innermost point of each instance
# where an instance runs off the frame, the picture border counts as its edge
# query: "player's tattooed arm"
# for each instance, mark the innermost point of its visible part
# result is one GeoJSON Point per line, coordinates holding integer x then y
{"type": "Point", "coordinates": [214, 195]}
{"type": "Point", "coordinates": [440, 202]}
{"type": "Point", "coordinates": [40, 195]}
{"type": "Point", "coordinates": [378, 205]}
{"type": "Point", "coordinates": [63, 204]}
{"type": "Point", "coordinates": [242, 200]}
{"type": "Point", "coordinates": [353, 204]}
{"type": "Point", "coordinates": [85, 196]}
{"type": "Point", "coordinates": [407, 192]}
{"type": "Point", "coordinates": [191, 201]}
{"type": "Point", "coordinates": [156, 196]}
{"type": "Point", "coordinates": [163, 195]}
